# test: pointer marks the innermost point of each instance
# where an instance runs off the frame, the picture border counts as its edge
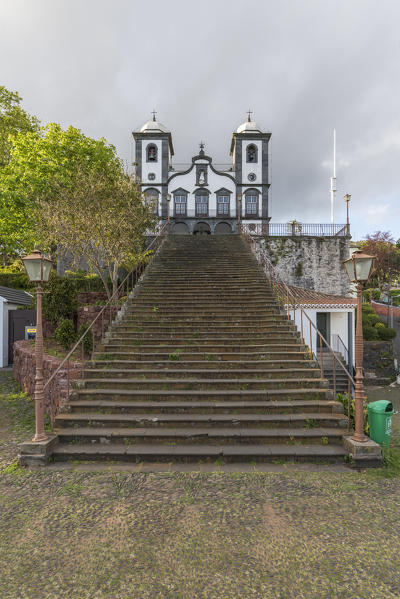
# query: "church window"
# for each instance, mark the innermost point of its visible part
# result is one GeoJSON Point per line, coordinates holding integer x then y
{"type": "Point", "coordinates": [251, 153]}
{"type": "Point", "coordinates": [222, 205]}
{"type": "Point", "coordinates": [151, 198]}
{"type": "Point", "coordinates": [251, 205]}
{"type": "Point", "coordinates": [180, 205]}
{"type": "Point", "coordinates": [201, 205]}
{"type": "Point", "coordinates": [151, 153]}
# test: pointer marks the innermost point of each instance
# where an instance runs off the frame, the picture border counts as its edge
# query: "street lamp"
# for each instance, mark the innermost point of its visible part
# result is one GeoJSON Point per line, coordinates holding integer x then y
{"type": "Point", "coordinates": [347, 198]}
{"type": "Point", "coordinates": [38, 269]}
{"type": "Point", "coordinates": [358, 268]}
{"type": "Point", "coordinates": [239, 198]}
{"type": "Point", "coordinates": [168, 204]}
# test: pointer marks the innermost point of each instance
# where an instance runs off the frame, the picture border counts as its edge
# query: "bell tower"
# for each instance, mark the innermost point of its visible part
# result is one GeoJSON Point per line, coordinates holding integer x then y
{"type": "Point", "coordinates": [250, 154]}
{"type": "Point", "coordinates": [153, 153]}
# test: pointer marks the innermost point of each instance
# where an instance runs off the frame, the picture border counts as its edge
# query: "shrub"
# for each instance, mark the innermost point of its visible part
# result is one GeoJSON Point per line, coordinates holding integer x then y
{"type": "Point", "coordinates": [372, 319]}
{"type": "Point", "coordinates": [65, 333]}
{"type": "Point", "coordinates": [85, 281]}
{"type": "Point", "coordinates": [15, 280]}
{"type": "Point", "coordinates": [88, 340]}
{"type": "Point", "coordinates": [380, 325]}
{"type": "Point", "coordinates": [376, 294]}
{"type": "Point", "coordinates": [367, 294]}
{"type": "Point", "coordinates": [367, 309]}
{"type": "Point", "coordinates": [386, 333]}
{"type": "Point", "coordinates": [60, 299]}
{"type": "Point", "coordinates": [370, 333]}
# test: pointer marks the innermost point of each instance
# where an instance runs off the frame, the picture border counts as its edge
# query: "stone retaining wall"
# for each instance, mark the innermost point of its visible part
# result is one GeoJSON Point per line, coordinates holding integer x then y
{"type": "Point", "coordinates": [310, 262]}
{"type": "Point", "coordinates": [90, 297]}
{"type": "Point", "coordinates": [86, 314]}
{"type": "Point", "coordinates": [24, 374]}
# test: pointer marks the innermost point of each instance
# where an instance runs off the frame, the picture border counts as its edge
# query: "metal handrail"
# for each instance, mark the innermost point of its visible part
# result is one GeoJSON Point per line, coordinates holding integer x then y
{"type": "Point", "coordinates": [341, 347]}
{"type": "Point", "coordinates": [134, 274]}
{"type": "Point", "coordinates": [287, 299]}
{"type": "Point", "coordinates": [296, 229]}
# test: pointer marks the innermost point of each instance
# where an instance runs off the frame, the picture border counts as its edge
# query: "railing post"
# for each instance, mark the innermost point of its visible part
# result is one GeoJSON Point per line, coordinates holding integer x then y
{"type": "Point", "coordinates": [321, 354]}
{"type": "Point", "coordinates": [311, 339]}
{"type": "Point", "coordinates": [334, 376]}
{"type": "Point", "coordinates": [348, 403]}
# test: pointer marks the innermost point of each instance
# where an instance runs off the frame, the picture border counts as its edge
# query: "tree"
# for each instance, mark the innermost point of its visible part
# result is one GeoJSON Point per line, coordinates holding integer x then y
{"type": "Point", "coordinates": [14, 227]}
{"type": "Point", "coordinates": [100, 219]}
{"type": "Point", "coordinates": [13, 120]}
{"type": "Point", "coordinates": [387, 264]}
{"type": "Point", "coordinates": [42, 161]}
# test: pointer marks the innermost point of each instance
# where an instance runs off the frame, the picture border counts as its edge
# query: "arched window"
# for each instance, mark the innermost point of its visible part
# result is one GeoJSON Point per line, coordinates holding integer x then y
{"type": "Point", "coordinates": [251, 153]}
{"type": "Point", "coordinates": [251, 205]}
{"type": "Point", "coordinates": [151, 197]}
{"type": "Point", "coordinates": [151, 153]}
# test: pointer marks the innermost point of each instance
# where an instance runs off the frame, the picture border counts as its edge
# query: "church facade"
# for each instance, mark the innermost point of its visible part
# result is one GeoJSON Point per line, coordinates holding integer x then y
{"type": "Point", "coordinates": [199, 197]}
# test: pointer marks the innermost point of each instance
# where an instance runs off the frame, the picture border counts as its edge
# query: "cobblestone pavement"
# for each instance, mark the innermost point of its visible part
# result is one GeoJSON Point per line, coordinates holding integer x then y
{"type": "Point", "coordinates": [191, 535]}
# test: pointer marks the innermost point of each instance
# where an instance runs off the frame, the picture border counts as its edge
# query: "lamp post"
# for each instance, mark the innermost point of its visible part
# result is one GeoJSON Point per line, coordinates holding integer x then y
{"type": "Point", "coordinates": [168, 204]}
{"type": "Point", "coordinates": [239, 209]}
{"type": "Point", "coordinates": [347, 198]}
{"type": "Point", "coordinates": [38, 269]}
{"type": "Point", "coordinates": [358, 268]}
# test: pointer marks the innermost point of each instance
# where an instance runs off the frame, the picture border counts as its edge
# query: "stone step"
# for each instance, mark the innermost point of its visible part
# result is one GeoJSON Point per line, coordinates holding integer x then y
{"type": "Point", "coordinates": [190, 419]}
{"type": "Point", "coordinates": [288, 394]}
{"type": "Point", "coordinates": [204, 347]}
{"type": "Point", "coordinates": [193, 453]}
{"type": "Point", "coordinates": [271, 354]}
{"type": "Point", "coordinates": [198, 344]}
{"type": "Point", "coordinates": [206, 407]}
{"type": "Point", "coordinates": [294, 373]}
{"type": "Point", "coordinates": [188, 384]}
{"type": "Point", "coordinates": [182, 435]}
{"type": "Point", "coordinates": [201, 364]}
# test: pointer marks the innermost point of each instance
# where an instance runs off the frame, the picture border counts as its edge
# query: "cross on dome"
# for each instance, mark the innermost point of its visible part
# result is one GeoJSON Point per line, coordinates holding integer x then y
{"type": "Point", "coordinates": [153, 112]}
{"type": "Point", "coordinates": [249, 112]}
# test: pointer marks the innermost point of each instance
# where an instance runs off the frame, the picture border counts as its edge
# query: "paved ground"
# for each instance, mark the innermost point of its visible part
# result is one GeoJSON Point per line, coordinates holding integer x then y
{"type": "Point", "coordinates": [288, 534]}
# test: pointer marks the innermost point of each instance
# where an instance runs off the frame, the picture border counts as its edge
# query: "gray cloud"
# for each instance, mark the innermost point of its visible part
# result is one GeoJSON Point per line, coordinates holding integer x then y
{"type": "Point", "coordinates": [304, 67]}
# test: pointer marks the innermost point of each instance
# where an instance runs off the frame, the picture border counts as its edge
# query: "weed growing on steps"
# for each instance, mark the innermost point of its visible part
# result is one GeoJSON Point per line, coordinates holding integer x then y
{"type": "Point", "coordinates": [311, 423]}
{"type": "Point", "coordinates": [175, 355]}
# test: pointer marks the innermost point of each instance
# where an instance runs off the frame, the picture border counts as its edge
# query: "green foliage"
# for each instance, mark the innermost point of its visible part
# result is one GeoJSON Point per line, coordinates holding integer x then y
{"type": "Point", "coordinates": [380, 325]}
{"type": "Point", "coordinates": [343, 399]}
{"type": "Point", "coordinates": [299, 269]}
{"type": "Point", "coordinates": [17, 280]}
{"type": "Point", "coordinates": [87, 340]}
{"type": "Point", "coordinates": [60, 301]}
{"type": "Point", "coordinates": [175, 355]}
{"type": "Point", "coordinates": [370, 333]}
{"type": "Point", "coordinates": [386, 333]}
{"type": "Point", "coordinates": [65, 333]}
{"type": "Point", "coordinates": [85, 281]}
{"type": "Point", "coordinates": [367, 294]}
{"type": "Point", "coordinates": [391, 462]}
{"type": "Point", "coordinates": [376, 294]}
{"type": "Point", "coordinates": [371, 319]}
{"type": "Point", "coordinates": [367, 309]}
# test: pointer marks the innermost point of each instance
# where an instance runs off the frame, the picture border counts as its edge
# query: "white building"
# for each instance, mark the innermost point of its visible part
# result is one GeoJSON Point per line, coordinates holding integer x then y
{"type": "Point", "coordinates": [203, 198]}
{"type": "Point", "coordinates": [12, 322]}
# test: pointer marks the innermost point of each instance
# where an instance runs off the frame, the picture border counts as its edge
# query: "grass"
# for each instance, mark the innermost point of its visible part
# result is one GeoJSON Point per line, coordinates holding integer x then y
{"type": "Point", "coordinates": [102, 534]}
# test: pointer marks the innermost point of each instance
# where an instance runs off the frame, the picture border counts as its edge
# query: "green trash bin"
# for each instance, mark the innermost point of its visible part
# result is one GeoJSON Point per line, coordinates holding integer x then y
{"type": "Point", "coordinates": [380, 421]}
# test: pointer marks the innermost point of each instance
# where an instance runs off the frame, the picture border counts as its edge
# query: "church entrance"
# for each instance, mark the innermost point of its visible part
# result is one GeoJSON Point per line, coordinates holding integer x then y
{"type": "Point", "coordinates": [202, 229]}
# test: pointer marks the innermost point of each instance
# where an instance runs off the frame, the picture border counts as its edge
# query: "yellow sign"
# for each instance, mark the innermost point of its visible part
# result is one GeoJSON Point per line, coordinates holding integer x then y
{"type": "Point", "coordinates": [31, 330]}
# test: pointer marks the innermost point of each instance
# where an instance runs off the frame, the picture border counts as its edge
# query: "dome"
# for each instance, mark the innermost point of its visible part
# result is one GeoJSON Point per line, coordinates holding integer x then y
{"type": "Point", "coordinates": [153, 127]}
{"type": "Point", "coordinates": [249, 127]}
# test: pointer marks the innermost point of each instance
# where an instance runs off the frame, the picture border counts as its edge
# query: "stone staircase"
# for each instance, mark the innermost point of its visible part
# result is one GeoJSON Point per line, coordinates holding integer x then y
{"type": "Point", "coordinates": [203, 366]}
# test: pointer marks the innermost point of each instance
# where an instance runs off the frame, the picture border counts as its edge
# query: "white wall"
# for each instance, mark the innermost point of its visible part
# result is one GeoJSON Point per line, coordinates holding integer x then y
{"type": "Point", "coordinates": [3, 333]}
{"type": "Point", "coordinates": [338, 325]}
{"type": "Point", "coordinates": [151, 167]}
{"type": "Point", "coordinates": [215, 183]}
{"type": "Point", "coordinates": [252, 167]}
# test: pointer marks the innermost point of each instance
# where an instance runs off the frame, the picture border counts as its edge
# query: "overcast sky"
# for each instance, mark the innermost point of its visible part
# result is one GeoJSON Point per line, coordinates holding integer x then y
{"type": "Point", "coordinates": [303, 67]}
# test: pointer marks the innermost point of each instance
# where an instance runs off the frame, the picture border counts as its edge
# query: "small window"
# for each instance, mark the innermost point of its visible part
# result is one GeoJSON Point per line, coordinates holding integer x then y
{"type": "Point", "coordinates": [201, 205]}
{"type": "Point", "coordinates": [251, 205]}
{"type": "Point", "coordinates": [251, 155]}
{"type": "Point", "coordinates": [180, 205]}
{"type": "Point", "coordinates": [151, 153]}
{"type": "Point", "coordinates": [223, 205]}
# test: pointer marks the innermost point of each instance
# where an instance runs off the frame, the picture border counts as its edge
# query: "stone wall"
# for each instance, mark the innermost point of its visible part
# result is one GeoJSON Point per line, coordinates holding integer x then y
{"type": "Point", "coordinates": [310, 262]}
{"type": "Point", "coordinates": [24, 374]}
{"type": "Point", "coordinates": [378, 362]}
{"type": "Point", "coordinates": [86, 314]}
{"type": "Point", "coordinates": [91, 297]}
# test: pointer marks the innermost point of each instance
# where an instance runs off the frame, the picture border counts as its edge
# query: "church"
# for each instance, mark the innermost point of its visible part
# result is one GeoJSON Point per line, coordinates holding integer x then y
{"type": "Point", "coordinates": [201, 198]}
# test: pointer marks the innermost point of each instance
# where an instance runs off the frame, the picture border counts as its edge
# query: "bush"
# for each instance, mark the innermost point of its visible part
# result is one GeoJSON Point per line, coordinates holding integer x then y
{"type": "Point", "coordinates": [85, 281]}
{"type": "Point", "coordinates": [380, 325]}
{"type": "Point", "coordinates": [367, 294]}
{"type": "Point", "coordinates": [17, 280]}
{"type": "Point", "coordinates": [372, 319]}
{"type": "Point", "coordinates": [65, 333]}
{"type": "Point", "coordinates": [88, 340]}
{"type": "Point", "coordinates": [60, 300]}
{"type": "Point", "coordinates": [376, 294]}
{"type": "Point", "coordinates": [367, 309]}
{"type": "Point", "coordinates": [386, 333]}
{"type": "Point", "coordinates": [370, 333]}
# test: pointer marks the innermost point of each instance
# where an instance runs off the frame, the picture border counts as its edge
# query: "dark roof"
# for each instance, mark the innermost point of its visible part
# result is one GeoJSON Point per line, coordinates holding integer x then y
{"type": "Point", "coordinates": [16, 296]}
